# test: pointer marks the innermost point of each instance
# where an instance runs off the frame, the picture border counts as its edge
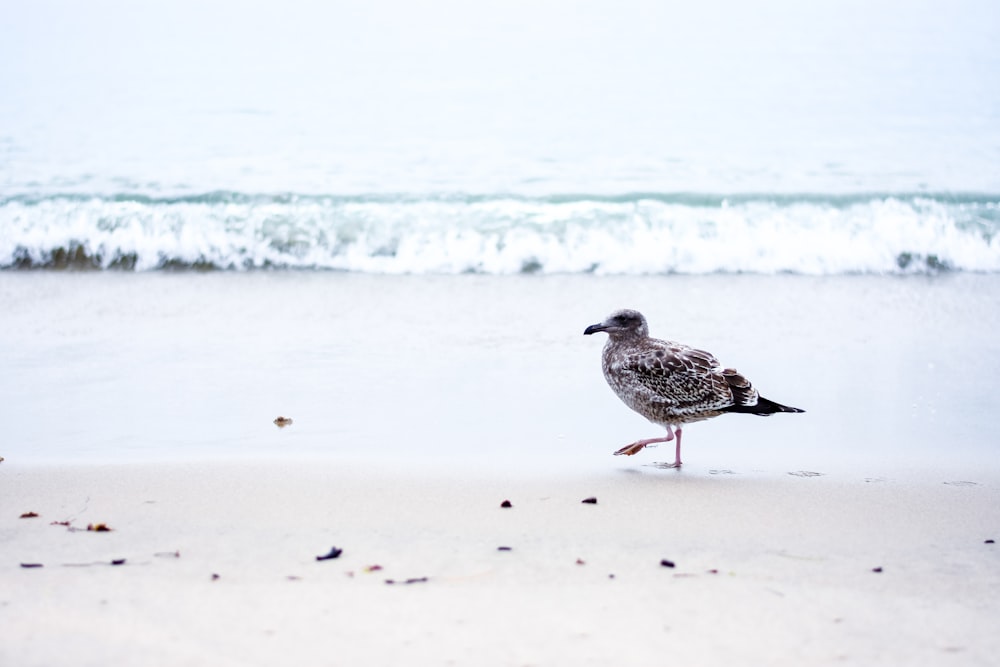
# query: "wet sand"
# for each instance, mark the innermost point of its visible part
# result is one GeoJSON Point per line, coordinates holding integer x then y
{"type": "Point", "coordinates": [697, 567]}
{"type": "Point", "coordinates": [487, 372]}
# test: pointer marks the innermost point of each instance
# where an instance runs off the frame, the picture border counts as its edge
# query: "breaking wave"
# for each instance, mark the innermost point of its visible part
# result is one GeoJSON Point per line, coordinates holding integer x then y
{"type": "Point", "coordinates": [629, 234]}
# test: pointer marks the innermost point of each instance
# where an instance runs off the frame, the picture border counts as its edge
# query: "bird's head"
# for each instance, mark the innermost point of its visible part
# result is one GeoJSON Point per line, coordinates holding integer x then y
{"type": "Point", "coordinates": [621, 324]}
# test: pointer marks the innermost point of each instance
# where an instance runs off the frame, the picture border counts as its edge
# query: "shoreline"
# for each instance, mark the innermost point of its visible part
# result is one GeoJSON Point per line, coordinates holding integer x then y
{"type": "Point", "coordinates": [180, 367]}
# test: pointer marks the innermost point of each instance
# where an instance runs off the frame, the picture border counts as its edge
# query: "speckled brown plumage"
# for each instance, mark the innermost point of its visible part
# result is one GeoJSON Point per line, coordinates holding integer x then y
{"type": "Point", "coordinates": [669, 383]}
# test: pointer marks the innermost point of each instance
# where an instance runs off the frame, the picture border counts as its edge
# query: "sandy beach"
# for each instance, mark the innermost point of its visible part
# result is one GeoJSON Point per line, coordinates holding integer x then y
{"type": "Point", "coordinates": [218, 566]}
{"type": "Point", "coordinates": [145, 403]}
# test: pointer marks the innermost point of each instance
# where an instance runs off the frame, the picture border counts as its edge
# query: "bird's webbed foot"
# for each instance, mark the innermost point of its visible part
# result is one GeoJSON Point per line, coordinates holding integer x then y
{"type": "Point", "coordinates": [639, 445]}
{"type": "Point", "coordinates": [634, 448]}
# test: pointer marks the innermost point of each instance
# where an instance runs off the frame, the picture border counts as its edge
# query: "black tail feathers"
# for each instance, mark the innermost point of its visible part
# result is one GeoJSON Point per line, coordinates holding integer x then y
{"type": "Point", "coordinates": [764, 407]}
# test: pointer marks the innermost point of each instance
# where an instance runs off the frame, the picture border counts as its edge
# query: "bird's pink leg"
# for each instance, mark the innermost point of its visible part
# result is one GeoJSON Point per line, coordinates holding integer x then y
{"type": "Point", "coordinates": [638, 445]}
{"type": "Point", "coordinates": [677, 451]}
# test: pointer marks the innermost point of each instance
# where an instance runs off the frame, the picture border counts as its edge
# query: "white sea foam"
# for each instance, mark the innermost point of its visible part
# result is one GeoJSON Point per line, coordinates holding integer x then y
{"type": "Point", "coordinates": [649, 234]}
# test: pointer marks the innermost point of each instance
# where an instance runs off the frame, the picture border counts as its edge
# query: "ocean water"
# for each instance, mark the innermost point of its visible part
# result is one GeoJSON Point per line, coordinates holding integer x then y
{"type": "Point", "coordinates": [613, 138]}
{"type": "Point", "coordinates": [503, 234]}
{"type": "Point", "coordinates": [201, 202]}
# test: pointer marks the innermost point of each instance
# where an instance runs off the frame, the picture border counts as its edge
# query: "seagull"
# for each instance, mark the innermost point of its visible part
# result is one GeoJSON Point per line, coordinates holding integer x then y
{"type": "Point", "coordinates": [671, 384]}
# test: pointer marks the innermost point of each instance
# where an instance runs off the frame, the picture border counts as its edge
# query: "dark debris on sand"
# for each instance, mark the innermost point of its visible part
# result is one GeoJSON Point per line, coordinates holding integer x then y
{"type": "Point", "coordinates": [333, 553]}
{"type": "Point", "coordinates": [411, 580]}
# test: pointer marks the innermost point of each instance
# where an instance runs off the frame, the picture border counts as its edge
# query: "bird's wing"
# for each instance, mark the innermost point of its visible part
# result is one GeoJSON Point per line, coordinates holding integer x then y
{"type": "Point", "coordinates": [742, 391]}
{"type": "Point", "coordinates": [676, 375]}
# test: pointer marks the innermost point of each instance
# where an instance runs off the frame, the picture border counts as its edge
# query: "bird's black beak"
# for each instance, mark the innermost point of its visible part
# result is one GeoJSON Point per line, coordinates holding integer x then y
{"type": "Point", "coordinates": [594, 328]}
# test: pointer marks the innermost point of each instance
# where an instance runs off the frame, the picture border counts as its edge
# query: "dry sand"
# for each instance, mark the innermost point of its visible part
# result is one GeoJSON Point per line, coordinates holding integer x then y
{"type": "Point", "coordinates": [220, 567]}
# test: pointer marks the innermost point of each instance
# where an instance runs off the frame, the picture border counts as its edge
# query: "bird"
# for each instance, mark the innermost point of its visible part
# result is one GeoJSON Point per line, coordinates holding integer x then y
{"type": "Point", "coordinates": [669, 383]}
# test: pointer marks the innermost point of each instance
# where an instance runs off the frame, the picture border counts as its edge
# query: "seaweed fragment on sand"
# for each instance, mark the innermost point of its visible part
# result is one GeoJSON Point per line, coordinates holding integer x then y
{"type": "Point", "coordinates": [28, 515]}
{"type": "Point", "coordinates": [333, 553]}
{"type": "Point", "coordinates": [99, 528]}
{"type": "Point", "coordinates": [282, 422]}
{"type": "Point", "coordinates": [667, 563]}
{"type": "Point", "coordinates": [411, 580]}
{"type": "Point", "coordinates": [589, 501]}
